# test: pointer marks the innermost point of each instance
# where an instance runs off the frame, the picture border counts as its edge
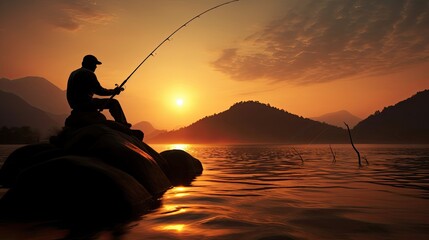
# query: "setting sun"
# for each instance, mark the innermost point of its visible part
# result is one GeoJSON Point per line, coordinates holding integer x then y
{"type": "Point", "coordinates": [179, 102]}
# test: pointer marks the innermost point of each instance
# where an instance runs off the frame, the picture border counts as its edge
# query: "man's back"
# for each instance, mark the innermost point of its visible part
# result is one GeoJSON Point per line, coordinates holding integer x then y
{"type": "Point", "coordinates": [81, 87]}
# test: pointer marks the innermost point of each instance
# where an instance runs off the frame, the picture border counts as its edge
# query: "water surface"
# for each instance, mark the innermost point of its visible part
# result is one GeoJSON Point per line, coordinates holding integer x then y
{"type": "Point", "coordinates": [270, 192]}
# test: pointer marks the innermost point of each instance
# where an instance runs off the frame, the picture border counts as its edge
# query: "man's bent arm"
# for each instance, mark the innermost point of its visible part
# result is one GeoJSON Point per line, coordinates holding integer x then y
{"type": "Point", "coordinates": [104, 92]}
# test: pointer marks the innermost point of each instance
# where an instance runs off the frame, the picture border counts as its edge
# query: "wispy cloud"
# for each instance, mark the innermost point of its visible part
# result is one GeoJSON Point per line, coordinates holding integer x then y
{"type": "Point", "coordinates": [63, 14]}
{"type": "Point", "coordinates": [326, 40]}
{"type": "Point", "coordinates": [71, 15]}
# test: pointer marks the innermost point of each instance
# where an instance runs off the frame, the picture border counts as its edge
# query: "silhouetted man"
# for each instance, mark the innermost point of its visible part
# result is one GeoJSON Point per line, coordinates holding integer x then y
{"type": "Point", "coordinates": [83, 84]}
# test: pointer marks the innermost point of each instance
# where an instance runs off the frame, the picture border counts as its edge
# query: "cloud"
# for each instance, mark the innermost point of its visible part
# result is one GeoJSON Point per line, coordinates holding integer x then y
{"type": "Point", "coordinates": [63, 14]}
{"type": "Point", "coordinates": [71, 15]}
{"type": "Point", "coordinates": [327, 40]}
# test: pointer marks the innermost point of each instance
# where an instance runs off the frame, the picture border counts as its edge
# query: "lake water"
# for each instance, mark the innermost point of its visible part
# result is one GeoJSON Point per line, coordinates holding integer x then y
{"type": "Point", "coordinates": [267, 192]}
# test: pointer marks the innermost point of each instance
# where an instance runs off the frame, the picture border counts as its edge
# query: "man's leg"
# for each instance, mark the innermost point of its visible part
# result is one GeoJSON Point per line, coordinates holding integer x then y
{"type": "Point", "coordinates": [114, 107]}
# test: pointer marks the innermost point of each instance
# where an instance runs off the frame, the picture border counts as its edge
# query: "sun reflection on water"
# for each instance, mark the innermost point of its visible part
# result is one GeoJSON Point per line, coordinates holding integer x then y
{"type": "Point", "coordinates": [179, 146]}
{"type": "Point", "coordinates": [178, 192]}
{"type": "Point", "coordinates": [173, 209]}
{"type": "Point", "coordinates": [173, 227]}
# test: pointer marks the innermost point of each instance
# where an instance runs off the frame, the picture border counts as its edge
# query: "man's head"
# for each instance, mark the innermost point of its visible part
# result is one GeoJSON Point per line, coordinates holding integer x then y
{"type": "Point", "coordinates": [90, 62]}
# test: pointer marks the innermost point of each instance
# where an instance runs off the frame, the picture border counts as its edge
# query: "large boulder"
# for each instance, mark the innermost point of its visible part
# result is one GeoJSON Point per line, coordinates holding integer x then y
{"type": "Point", "coordinates": [26, 157]}
{"type": "Point", "coordinates": [75, 187]}
{"type": "Point", "coordinates": [99, 170]}
{"type": "Point", "coordinates": [121, 151]}
{"type": "Point", "coordinates": [182, 172]}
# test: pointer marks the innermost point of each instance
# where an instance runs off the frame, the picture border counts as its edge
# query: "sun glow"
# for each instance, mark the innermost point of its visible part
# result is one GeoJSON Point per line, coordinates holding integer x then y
{"type": "Point", "coordinates": [179, 146]}
{"type": "Point", "coordinates": [180, 192]}
{"type": "Point", "coordinates": [179, 102]}
{"type": "Point", "coordinates": [174, 227]}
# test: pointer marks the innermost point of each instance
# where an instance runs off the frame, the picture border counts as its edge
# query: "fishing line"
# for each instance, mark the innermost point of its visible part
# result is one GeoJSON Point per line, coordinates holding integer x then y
{"type": "Point", "coordinates": [168, 39]}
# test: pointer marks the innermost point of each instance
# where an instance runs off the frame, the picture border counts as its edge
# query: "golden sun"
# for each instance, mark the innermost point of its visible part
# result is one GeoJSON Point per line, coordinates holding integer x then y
{"type": "Point", "coordinates": [179, 102]}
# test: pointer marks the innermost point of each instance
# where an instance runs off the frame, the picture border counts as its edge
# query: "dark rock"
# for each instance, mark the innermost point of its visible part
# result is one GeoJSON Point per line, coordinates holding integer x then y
{"type": "Point", "coordinates": [26, 157]}
{"type": "Point", "coordinates": [75, 187]}
{"type": "Point", "coordinates": [78, 119]}
{"type": "Point", "coordinates": [82, 119]}
{"type": "Point", "coordinates": [120, 151]}
{"type": "Point", "coordinates": [183, 168]}
{"type": "Point", "coordinates": [97, 170]}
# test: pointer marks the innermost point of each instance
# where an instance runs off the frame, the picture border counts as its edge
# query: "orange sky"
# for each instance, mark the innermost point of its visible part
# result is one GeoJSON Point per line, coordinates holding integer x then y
{"type": "Point", "coordinates": [308, 57]}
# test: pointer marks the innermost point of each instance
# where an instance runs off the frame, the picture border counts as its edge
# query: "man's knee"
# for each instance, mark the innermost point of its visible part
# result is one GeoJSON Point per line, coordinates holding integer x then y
{"type": "Point", "coordinates": [114, 103]}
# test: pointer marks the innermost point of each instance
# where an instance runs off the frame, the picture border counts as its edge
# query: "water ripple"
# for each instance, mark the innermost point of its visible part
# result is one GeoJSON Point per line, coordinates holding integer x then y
{"type": "Point", "coordinates": [265, 192]}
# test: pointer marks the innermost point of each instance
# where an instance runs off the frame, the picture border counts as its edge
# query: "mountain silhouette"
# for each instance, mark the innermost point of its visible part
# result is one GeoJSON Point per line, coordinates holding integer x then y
{"type": "Point", "coordinates": [254, 122]}
{"type": "Point", "coordinates": [338, 119]}
{"type": "Point", "coordinates": [37, 103]}
{"type": "Point", "coordinates": [148, 129]}
{"type": "Point", "coordinates": [405, 122]}
{"type": "Point", "coordinates": [15, 112]}
{"type": "Point", "coordinates": [39, 93]}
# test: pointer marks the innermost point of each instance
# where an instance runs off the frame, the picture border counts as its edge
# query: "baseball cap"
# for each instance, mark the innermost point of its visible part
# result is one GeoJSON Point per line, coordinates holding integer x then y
{"type": "Point", "coordinates": [91, 59]}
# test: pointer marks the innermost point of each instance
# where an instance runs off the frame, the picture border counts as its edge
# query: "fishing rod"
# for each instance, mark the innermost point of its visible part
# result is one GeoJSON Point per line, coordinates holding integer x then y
{"type": "Point", "coordinates": [168, 39]}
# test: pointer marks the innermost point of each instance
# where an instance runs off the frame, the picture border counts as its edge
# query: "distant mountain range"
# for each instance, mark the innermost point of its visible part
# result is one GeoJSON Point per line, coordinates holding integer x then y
{"type": "Point", "coordinates": [244, 122]}
{"type": "Point", "coordinates": [148, 129]}
{"type": "Point", "coordinates": [16, 112]}
{"type": "Point", "coordinates": [338, 119]}
{"type": "Point", "coordinates": [39, 93]}
{"type": "Point", "coordinates": [254, 122]}
{"type": "Point", "coordinates": [34, 102]}
{"type": "Point", "coordinates": [405, 122]}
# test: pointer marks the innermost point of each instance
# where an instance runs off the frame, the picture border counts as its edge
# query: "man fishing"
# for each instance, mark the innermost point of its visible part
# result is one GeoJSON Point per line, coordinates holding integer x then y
{"type": "Point", "coordinates": [83, 84]}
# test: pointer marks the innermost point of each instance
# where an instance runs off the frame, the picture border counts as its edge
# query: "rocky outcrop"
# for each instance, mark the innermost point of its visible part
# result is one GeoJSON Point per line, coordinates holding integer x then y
{"type": "Point", "coordinates": [181, 172]}
{"type": "Point", "coordinates": [100, 170]}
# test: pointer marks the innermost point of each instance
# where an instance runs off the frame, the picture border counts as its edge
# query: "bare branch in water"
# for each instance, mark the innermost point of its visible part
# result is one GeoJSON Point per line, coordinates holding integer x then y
{"type": "Point", "coordinates": [296, 151]}
{"type": "Point", "coordinates": [334, 160]}
{"type": "Point", "coordinates": [351, 141]}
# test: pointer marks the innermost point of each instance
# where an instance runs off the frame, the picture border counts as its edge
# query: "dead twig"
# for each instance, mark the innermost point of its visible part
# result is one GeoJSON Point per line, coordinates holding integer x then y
{"type": "Point", "coordinates": [334, 160]}
{"type": "Point", "coordinates": [296, 151]}
{"type": "Point", "coordinates": [351, 141]}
